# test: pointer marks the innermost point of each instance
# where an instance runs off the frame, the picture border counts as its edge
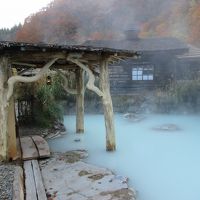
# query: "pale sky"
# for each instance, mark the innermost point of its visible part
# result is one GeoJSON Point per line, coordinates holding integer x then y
{"type": "Point", "coordinates": [15, 11]}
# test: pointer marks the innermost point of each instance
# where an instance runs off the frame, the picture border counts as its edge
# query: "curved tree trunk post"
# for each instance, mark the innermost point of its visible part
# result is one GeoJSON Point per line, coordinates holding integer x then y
{"type": "Point", "coordinates": [12, 142]}
{"type": "Point", "coordinates": [80, 101]}
{"type": "Point", "coordinates": [65, 85]}
{"type": "Point", "coordinates": [3, 109]}
{"type": "Point", "coordinates": [107, 105]}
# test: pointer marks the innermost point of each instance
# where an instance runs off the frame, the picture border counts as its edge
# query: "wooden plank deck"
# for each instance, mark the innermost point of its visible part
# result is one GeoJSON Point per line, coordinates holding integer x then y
{"type": "Point", "coordinates": [29, 150]}
{"type": "Point", "coordinates": [18, 184]}
{"type": "Point", "coordinates": [34, 147]}
{"type": "Point", "coordinates": [31, 193]}
{"type": "Point", "coordinates": [41, 194]}
{"type": "Point", "coordinates": [42, 146]}
{"type": "Point", "coordinates": [33, 181]}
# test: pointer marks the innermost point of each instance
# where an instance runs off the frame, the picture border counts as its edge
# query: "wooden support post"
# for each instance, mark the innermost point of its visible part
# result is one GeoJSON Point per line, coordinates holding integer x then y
{"type": "Point", "coordinates": [12, 142]}
{"type": "Point", "coordinates": [80, 101]}
{"type": "Point", "coordinates": [3, 108]}
{"type": "Point", "coordinates": [107, 105]}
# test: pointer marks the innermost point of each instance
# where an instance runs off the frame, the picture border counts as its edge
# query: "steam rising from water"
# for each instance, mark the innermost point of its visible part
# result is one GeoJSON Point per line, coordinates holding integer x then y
{"type": "Point", "coordinates": [161, 165]}
{"type": "Point", "coordinates": [117, 16]}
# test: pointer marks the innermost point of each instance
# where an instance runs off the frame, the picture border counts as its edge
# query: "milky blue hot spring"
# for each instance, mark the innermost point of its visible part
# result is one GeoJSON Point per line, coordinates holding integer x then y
{"type": "Point", "coordinates": [160, 164]}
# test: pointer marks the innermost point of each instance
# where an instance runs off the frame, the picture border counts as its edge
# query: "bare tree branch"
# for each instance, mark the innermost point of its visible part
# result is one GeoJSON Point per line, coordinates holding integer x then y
{"type": "Point", "coordinates": [90, 85]}
{"type": "Point", "coordinates": [14, 79]}
{"type": "Point", "coordinates": [66, 85]}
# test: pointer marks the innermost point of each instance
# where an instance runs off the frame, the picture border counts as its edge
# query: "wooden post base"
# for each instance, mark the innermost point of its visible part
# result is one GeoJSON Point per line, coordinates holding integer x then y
{"type": "Point", "coordinates": [3, 109]}
{"type": "Point", "coordinates": [107, 105]}
{"type": "Point", "coordinates": [80, 102]}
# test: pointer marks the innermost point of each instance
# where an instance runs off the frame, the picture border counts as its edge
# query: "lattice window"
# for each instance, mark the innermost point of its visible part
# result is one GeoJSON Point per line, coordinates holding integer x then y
{"type": "Point", "coordinates": [143, 72]}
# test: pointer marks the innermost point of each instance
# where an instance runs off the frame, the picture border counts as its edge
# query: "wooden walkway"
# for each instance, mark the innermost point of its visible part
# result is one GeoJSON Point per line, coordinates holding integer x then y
{"type": "Point", "coordinates": [34, 147]}
{"type": "Point", "coordinates": [33, 181]}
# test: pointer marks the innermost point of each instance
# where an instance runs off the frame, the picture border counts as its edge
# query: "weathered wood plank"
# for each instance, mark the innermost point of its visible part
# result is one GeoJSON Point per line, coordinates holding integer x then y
{"type": "Point", "coordinates": [18, 184]}
{"type": "Point", "coordinates": [29, 150]}
{"type": "Point", "coordinates": [3, 109]}
{"type": "Point", "coordinates": [38, 181]}
{"type": "Point", "coordinates": [31, 193]}
{"type": "Point", "coordinates": [42, 146]}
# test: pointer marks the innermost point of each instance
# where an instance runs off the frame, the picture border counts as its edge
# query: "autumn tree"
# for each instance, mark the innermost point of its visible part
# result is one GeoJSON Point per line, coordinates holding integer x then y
{"type": "Point", "coordinates": [69, 21]}
{"type": "Point", "coordinates": [194, 25]}
{"type": "Point", "coordinates": [49, 25]}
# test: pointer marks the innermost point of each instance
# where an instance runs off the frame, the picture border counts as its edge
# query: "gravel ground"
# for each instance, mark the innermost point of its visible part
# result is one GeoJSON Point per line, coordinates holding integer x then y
{"type": "Point", "coordinates": [6, 181]}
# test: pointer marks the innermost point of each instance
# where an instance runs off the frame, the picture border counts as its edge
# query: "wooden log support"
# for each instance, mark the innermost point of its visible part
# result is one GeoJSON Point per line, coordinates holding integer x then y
{"type": "Point", "coordinates": [12, 140]}
{"type": "Point", "coordinates": [3, 109]}
{"type": "Point", "coordinates": [7, 121]}
{"type": "Point", "coordinates": [107, 105]}
{"type": "Point", "coordinates": [80, 101]}
{"type": "Point", "coordinates": [90, 85]}
{"type": "Point", "coordinates": [65, 85]}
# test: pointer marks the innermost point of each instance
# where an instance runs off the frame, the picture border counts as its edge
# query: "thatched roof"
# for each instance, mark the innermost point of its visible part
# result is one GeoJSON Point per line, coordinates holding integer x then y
{"type": "Point", "coordinates": [18, 46]}
{"type": "Point", "coordinates": [143, 45]}
{"type": "Point", "coordinates": [40, 53]}
{"type": "Point", "coordinates": [192, 55]}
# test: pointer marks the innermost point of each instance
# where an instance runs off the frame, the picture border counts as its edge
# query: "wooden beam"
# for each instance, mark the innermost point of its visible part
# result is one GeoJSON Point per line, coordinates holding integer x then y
{"type": "Point", "coordinates": [24, 64]}
{"type": "Point", "coordinates": [107, 105]}
{"type": "Point", "coordinates": [80, 101]}
{"type": "Point", "coordinates": [3, 109]}
{"type": "Point", "coordinates": [32, 57]}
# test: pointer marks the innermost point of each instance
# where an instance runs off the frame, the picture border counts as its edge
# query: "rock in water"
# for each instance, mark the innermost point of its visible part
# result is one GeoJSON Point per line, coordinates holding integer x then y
{"type": "Point", "coordinates": [133, 117]}
{"type": "Point", "coordinates": [167, 127]}
{"type": "Point", "coordinates": [77, 140]}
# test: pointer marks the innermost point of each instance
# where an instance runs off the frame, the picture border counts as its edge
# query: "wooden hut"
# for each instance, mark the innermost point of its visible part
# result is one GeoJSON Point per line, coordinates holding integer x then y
{"type": "Point", "coordinates": [80, 59]}
{"type": "Point", "coordinates": [156, 67]}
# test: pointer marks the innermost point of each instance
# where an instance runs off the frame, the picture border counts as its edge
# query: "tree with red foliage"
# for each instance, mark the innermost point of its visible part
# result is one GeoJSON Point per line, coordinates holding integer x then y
{"type": "Point", "coordinates": [194, 25]}
{"type": "Point", "coordinates": [50, 26]}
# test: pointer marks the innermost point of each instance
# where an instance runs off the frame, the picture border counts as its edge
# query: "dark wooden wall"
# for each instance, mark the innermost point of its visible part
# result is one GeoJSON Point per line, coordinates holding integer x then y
{"type": "Point", "coordinates": [121, 74]}
{"type": "Point", "coordinates": [188, 70]}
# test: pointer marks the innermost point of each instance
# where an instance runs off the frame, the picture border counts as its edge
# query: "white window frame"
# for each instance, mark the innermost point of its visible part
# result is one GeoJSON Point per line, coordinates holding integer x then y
{"type": "Point", "coordinates": [143, 72]}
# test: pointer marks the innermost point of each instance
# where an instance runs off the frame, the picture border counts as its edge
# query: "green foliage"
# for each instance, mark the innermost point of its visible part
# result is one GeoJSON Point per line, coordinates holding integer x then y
{"type": "Point", "coordinates": [47, 106]}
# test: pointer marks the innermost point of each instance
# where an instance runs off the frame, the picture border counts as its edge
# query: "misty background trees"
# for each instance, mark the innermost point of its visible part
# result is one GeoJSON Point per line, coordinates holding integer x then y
{"type": "Point", "coordinates": [68, 21]}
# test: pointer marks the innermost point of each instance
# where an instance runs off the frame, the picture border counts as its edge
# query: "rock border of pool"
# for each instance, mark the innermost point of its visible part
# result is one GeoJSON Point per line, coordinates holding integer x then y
{"type": "Point", "coordinates": [68, 176]}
